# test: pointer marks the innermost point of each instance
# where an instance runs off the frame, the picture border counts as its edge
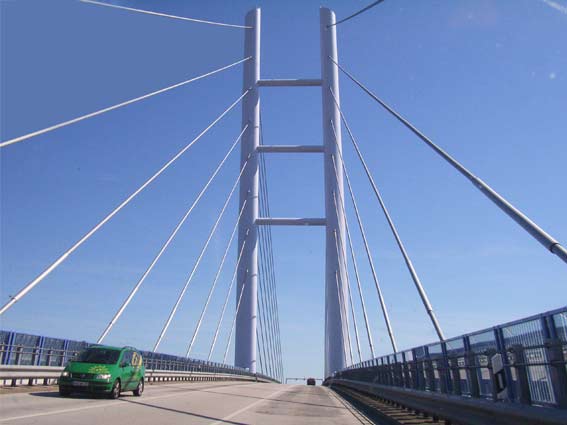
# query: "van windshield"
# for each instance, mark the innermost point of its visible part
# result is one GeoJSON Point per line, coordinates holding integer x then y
{"type": "Point", "coordinates": [98, 355]}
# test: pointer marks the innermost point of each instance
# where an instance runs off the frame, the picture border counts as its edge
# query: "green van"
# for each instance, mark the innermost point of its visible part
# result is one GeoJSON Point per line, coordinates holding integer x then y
{"type": "Point", "coordinates": [104, 369]}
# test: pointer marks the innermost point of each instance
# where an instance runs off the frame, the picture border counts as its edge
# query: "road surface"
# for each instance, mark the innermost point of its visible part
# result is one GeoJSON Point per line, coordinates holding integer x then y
{"type": "Point", "coordinates": [191, 403]}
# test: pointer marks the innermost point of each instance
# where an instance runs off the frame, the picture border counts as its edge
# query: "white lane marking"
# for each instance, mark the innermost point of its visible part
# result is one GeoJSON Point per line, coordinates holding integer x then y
{"type": "Point", "coordinates": [107, 404]}
{"type": "Point", "coordinates": [250, 406]}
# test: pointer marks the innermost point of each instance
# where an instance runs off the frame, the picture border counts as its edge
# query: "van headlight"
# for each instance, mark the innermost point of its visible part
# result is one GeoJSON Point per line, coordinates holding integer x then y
{"type": "Point", "coordinates": [65, 374]}
{"type": "Point", "coordinates": [103, 376]}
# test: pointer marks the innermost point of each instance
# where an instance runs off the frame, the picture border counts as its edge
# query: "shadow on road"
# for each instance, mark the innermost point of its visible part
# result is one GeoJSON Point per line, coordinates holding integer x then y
{"type": "Point", "coordinates": [183, 412]}
{"type": "Point", "coordinates": [48, 394]}
{"type": "Point", "coordinates": [330, 406]}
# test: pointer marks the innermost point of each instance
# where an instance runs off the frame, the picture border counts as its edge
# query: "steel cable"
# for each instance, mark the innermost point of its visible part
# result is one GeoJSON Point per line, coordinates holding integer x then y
{"type": "Point", "coordinates": [514, 213]}
{"type": "Point", "coordinates": [370, 260]}
{"type": "Point", "coordinates": [91, 232]}
{"type": "Point", "coordinates": [216, 278]}
{"type": "Point", "coordinates": [164, 15]}
{"type": "Point", "coordinates": [169, 240]}
{"type": "Point", "coordinates": [200, 257]}
{"type": "Point", "coordinates": [233, 279]}
{"type": "Point", "coordinates": [113, 107]}
{"type": "Point", "coordinates": [409, 264]}
{"type": "Point", "coordinates": [357, 276]}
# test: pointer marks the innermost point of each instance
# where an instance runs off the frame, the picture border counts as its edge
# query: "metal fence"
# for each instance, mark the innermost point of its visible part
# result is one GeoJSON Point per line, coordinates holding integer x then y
{"type": "Point", "coordinates": [20, 349]}
{"type": "Point", "coordinates": [532, 351]}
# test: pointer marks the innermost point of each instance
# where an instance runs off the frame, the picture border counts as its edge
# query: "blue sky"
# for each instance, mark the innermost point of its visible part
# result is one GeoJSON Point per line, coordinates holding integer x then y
{"type": "Point", "coordinates": [487, 80]}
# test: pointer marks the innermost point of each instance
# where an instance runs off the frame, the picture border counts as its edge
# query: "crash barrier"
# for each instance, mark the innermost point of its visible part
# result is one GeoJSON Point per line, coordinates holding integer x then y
{"type": "Point", "coordinates": [520, 363]}
{"type": "Point", "coordinates": [49, 375]}
{"type": "Point", "coordinates": [41, 359]}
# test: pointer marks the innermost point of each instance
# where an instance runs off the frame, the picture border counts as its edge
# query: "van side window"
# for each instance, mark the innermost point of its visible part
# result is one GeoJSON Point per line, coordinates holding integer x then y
{"type": "Point", "coordinates": [127, 357]}
{"type": "Point", "coordinates": [136, 359]}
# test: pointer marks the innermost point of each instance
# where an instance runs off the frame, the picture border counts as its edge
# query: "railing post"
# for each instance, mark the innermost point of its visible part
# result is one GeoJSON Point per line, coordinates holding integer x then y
{"type": "Point", "coordinates": [455, 372]}
{"type": "Point", "coordinates": [19, 350]}
{"type": "Point", "coordinates": [519, 364]}
{"type": "Point", "coordinates": [455, 375]}
{"type": "Point", "coordinates": [8, 354]}
{"type": "Point", "coordinates": [406, 375]}
{"type": "Point", "coordinates": [470, 365]}
{"type": "Point", "coordinates": [443, 368]}
{"type": "Point", "coordinates": [501, 347]}
{"type": "Point", "coordinates": [65, 355]}
{"type": "Point", "coordinates": [415, 374]}
{"type": "Point", "coordinates": [37, 352]}
{"type": "Point", "coordinates": [429, 373]}
{"type": "Point", "coordinates": [558, 369]}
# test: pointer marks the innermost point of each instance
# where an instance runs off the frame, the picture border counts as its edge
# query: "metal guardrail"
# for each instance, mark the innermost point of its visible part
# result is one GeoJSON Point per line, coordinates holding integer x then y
{"type": "Point", "coordinates": [26, 351]}
{"type": "Point", "coordinates": [531, 355]}
{"type": "Point", "coordinates": [303, 379]}
{"type": "Point", "coordinates": [49, 375]}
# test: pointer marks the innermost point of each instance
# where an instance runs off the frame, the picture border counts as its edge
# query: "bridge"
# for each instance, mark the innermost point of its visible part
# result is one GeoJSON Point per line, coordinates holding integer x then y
{"type": "Point", "coordinates": [226, 363]}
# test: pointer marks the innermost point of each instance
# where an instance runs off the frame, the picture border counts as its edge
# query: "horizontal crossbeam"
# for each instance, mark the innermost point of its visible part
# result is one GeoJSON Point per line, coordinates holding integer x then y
{"type": "Point", "coordinates": [291, 149]}
{"type": "Point", "coordinates": [268, 221]}
{"type": "Point", "coordinates": [295, 82]}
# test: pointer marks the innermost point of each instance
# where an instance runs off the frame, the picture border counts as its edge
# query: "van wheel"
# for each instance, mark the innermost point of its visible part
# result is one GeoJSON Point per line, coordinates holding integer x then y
{"type": "Point", "coordinates": [115, 391]}
{"type": "Point", "coordinates": [140, 388]}
{"type": "Point", "coordinates": [64, 392]}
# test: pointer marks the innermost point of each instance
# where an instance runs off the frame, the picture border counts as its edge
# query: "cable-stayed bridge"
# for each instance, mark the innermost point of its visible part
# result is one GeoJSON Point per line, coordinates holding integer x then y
{"type": "Point", "coordinates": [512, 373]}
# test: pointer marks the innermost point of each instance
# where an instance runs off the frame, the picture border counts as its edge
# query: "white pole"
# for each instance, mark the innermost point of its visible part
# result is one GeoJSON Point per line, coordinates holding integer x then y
{"type": "Point", "coordinates": [336, 325]}
{"type": "Point", "coordinates": [245, 337]}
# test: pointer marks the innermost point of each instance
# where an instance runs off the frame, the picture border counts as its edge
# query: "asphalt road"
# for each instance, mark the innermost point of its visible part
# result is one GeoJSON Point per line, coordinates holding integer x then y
{"type": "Point", "coordinates": [191, 403]}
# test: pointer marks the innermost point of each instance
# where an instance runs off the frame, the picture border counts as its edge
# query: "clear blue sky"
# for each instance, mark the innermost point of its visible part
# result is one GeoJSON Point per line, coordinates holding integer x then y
{"type": "Point", "coordinates": [487, 80]}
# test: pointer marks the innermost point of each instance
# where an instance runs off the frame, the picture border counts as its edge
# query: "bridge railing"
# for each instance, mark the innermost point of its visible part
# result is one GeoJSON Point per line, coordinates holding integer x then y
{"type": "Point", "coordinates": [521, 362]}
{"type": "Point", "coordinates": [25, 350]}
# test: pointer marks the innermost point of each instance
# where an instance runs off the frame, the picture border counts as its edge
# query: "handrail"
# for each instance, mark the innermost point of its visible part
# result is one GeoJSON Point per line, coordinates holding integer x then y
{"type": "Point", "coordinates": [528, 355]}
{"type": "Point", "coordinates": [36, 352]}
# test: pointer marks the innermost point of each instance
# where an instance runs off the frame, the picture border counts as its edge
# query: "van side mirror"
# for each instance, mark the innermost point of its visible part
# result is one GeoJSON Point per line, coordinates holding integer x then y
{"type": "Point", "coordinates": [124, 364]}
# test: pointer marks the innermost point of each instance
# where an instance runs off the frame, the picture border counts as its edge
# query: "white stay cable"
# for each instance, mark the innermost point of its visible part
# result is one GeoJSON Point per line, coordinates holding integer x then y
{"type": "Point", "coordinates": [217, 330]}
{"type": "Point", "coordinates": [343, 301]}
{"type": "Point", "coordinates": [370, 260]}
{"type": "Point", "coordinates": [345, 265]}
{"type": "Point", "coordinates": [413, 273]}
{"type": "Point", "coordinates": [217, 275]}
{"type": "Point", "coordinates": [164, 15]}
{"type": "Point", "coordinates": [201, 254]}
{"type": "Point", "coordinates": [234, 320]}
{"type": "Point", "coordinates": [344, 320]}
{"type": "Point", "coordinates": [271, 277]}
{"type": "Point", "coordinates": [357, 275]}
{"type": "Point", "coordinates": [264, 298]}
{"type": "Point", "coordinates": [113, 107]}
{"type": "Point", "coordinates": [370, 6]}
{"type": "Point", "coordinates": [169, 240]}
{"type": "Point", "coordinates": [259, 354]}
{"type": "Point", "coordinates": [91, 232]}
{"type": "Point", "coordinates": [354, 323]}
{"type": "Point", "coordinates": [514, 213]}
{"type": "Point", "coordinates": [264, 334]}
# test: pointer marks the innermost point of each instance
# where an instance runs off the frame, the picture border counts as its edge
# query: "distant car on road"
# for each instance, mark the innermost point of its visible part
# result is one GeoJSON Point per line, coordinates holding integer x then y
{"type": "Point", "coordinates": [311, 381]}
{"type": "Point", "coordinates": [104, 370]}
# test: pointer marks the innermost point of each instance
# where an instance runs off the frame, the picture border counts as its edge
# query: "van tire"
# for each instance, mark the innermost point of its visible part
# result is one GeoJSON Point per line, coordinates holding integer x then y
{"type": "Point", "coordinates": [140, 388]}
{"type": "Point", "coordinates": [64, 392]}
{"type": "Point", "coordinates": [115, 391]}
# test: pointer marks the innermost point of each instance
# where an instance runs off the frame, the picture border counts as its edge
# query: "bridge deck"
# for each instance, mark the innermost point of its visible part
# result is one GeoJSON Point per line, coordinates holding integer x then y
{"type": "Point", "coordinates": [194, 403]}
